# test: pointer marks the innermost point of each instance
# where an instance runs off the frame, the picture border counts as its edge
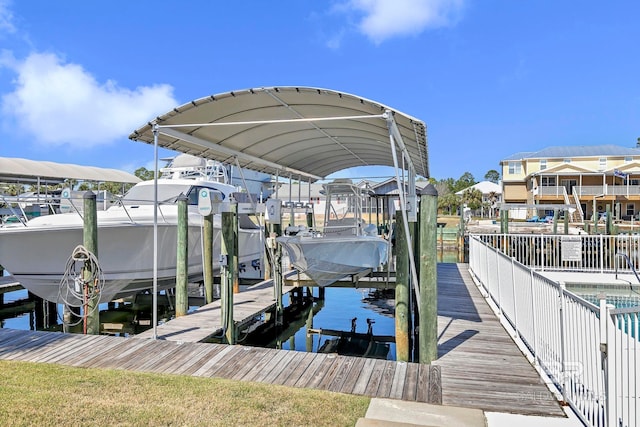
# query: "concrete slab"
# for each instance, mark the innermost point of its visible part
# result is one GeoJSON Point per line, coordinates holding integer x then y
{"type": "Point", "coordinates": [500, 419]}
{"type": "Point", "coordinates": [423, 414]}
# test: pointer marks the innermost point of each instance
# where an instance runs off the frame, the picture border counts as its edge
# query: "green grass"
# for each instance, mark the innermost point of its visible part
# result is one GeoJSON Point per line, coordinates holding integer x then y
{"type": "Point", "coordinates": [44, 394]}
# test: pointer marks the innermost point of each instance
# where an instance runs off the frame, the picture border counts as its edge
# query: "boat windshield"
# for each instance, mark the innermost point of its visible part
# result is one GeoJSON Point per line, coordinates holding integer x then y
{"type": "Point", "coordinates": [143, 194]}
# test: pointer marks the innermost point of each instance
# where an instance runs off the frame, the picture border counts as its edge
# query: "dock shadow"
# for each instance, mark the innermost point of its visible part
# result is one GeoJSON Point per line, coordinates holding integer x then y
{"type": "Point", "coordinates": [454, 342]}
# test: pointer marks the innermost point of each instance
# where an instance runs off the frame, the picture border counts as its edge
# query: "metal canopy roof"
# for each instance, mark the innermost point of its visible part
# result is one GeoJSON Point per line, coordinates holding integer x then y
{"type": "Point", "coordinates": [270, 130]}
{"type": "Point", "coordinates": [23, 171]}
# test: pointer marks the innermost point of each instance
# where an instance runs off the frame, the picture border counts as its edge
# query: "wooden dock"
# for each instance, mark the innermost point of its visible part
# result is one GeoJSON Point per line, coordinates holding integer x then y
{"type": "Point", "coordinates": [480, 365]}
{"type": "Point", "coordinates": [206, 321]}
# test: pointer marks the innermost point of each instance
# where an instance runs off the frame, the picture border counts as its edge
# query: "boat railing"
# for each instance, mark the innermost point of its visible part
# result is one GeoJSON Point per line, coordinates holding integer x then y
{"type": "Point", "coordinates": [589, 352]}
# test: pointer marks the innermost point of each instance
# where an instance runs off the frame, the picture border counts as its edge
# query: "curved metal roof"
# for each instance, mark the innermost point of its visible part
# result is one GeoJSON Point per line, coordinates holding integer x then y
{"type": "Point", "coordinates": [298, 131]}
{"type": "Point", "coordinates": [24, 170]}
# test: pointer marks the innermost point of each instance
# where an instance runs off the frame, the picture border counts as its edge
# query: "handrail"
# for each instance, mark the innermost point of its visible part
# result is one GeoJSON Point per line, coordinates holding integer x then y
{"type": "Point", "coordinates": [576, 198]}
{"type": "Point", "coordinates": [21, 218]}
{"type": "Point", "coordinates": [629, 264]}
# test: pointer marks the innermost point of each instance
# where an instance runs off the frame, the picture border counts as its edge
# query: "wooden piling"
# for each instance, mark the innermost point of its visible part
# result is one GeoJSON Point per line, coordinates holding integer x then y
{"type": "Point", "coordinates": [208, 257]}
{"type": "Point", "coordinates": [182, 257]}
{"type": "Point", "coordinates": [236, 276]}
{"type": "Point", "coordinates": [428, 332]}
{"type": "Point", "coordinates": [229, 270]}
{"type": "Point", "coordinates": [90, 242]}
{"type": "Point", "coordinates": [402, 312]}
{"type": "Point", "coordinates": [555, 221]}
{"type": "Point", "coordinates": [566, 222]}
{"type": "Point", "coordinates": [278, 280]}
{"type": "Point", "coordinates": [609, 222]}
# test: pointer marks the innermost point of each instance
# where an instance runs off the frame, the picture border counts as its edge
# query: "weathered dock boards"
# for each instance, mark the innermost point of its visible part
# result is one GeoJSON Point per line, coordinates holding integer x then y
{"type": "Point", "coordinates": [206, 320]}
{"type": "Point", "coordinates": [480, 365]}
{"type": "Point", "coordinates": [344, 374]}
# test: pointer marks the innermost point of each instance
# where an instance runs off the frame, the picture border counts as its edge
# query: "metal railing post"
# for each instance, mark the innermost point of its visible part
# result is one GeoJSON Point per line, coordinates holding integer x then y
{"type": "Point", "coordinates": [601, 254]}
{"type": "Point", "coordinates": [563, 342]}
{"type": "Point", "coordinates": [515, 301]}
{"type": "Point", "coordinates": [533, 319]}
{"type": "Point", "coordinates": [498, 269]}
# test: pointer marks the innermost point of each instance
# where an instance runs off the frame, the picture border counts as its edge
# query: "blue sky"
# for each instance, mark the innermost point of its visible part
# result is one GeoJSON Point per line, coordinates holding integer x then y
{"type": "Point", "coordinates": [488, 77]}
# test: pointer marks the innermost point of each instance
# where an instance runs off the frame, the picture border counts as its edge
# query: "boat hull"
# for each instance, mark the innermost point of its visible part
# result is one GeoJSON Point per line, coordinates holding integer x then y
{"type": "Point", "coordinates": [37, 257]}
{"type": "Point", "coordinates": [327, 260]}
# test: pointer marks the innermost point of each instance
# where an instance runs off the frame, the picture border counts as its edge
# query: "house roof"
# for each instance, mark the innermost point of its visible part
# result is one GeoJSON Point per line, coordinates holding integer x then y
{"type": "Point", "coordinates": [298, 131]}
{"type": "Point", "coordinates": [29, 171]}
{"type": "Point", "coordinates": [576, 151]}
{"type": "Point", "coordinates": [485, 187]}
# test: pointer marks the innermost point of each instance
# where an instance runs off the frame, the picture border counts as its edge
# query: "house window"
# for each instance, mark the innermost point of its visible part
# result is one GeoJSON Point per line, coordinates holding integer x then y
{"type": "Point", "coordinates": [543, 164]}
{"type": "Point", "coordinates": [634, 181]}
{"type": "Point", "coordinates": [548, 181]}
{"type": "Point", "coordinates": [628, 159]}
{"type": "Point", "coordinates": [631, 209]}
{"type": "Point", "coordinates": [567, 160]}
{"type": "Point", "coordinates": [602, 163]}
{"type": "Point", "coordinates": [515, 168]}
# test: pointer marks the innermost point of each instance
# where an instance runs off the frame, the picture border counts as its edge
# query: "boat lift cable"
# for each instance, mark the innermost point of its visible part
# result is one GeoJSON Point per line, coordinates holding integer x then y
{"type": "Point", "coordinates": [244, 182]}
{"type": "Point", "coordinates": [80, 284]}
{"type": "Point", "coordinates": [403, 209]}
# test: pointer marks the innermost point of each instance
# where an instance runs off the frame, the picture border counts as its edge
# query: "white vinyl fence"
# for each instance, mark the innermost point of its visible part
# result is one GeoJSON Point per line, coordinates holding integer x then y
{"type": "Point", "coordinates": [591, 353]}
{"type": "Point", "coordinates": [569, 252]}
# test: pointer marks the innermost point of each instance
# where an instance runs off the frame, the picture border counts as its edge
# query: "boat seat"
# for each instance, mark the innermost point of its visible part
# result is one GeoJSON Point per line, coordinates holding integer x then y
{"type": "Point", "coordinates": [341, 227]}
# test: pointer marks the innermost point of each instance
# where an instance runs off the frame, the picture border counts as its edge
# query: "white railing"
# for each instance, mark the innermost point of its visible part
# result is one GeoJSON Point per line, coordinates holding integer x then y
{"type": "Point", "coordinates": [558, 252]}
{"type": "Point", "coordinates": [608, 190]}
{"type": "Point", "coordinates": [553, 190]}
{"type": "Point", "coordinates": [590, 353]}
{"type": "Point", "coordinates": [576, 199]}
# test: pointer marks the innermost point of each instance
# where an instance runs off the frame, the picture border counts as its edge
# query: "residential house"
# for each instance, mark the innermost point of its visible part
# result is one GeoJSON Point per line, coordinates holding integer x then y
{"type": "Point", "coordinates": [592, 178]}
{"type": "Point", "coordinates": [491, 198]}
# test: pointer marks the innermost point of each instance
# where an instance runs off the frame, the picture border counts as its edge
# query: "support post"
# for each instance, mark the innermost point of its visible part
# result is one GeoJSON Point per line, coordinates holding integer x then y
{"type": "Point", "coordinates": [268, 233]}
{"type": "Point", "coordinates": [277, 278]}
{"type": "Point", "coordinates": [566, 222]}
{"type": "Point", "coordinates": [229, 270]}
{"type": "Point", "coordinates": [555, 221]}
{"type": "Point", "coordinates": [208, 258]}
{"type": "Point", "coordinates": [236, 244]}
{"type": "Point", "coordinates": [428, 333]}
{"type": "Point", "coordinates": [402, 293]}
{"type": "Point", "coordinates": [90, 242]}
{"type": "Point", "coordinates": [460, 236]}
{"type": "Point", "coordinates": [182, 256]}
{"type": "Point", "coordinates": [609, 222]}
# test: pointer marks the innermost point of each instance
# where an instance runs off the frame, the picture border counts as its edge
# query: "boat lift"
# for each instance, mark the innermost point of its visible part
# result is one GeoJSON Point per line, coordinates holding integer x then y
{"type": "Point", "coordinates": [302, 133]}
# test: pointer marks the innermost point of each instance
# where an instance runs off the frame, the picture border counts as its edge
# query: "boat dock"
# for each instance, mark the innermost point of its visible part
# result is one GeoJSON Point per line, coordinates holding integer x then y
{"type": "Point", "coordinates": [479, 365]}
{"type": "Point", "coordinates": [206, 321]}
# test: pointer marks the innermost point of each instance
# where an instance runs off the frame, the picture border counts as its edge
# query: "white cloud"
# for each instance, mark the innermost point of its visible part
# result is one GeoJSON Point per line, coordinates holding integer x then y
{"type": "Point", "coordinates": [62, 104]}
{"type": "Point", "coordinates": [384, 19]}
{"type": "Point", "coordinates": [6, 18]}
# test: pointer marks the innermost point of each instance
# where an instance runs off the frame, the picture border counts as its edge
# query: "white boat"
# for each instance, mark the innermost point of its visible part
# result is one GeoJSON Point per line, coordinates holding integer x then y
{"type": "Point", "coordinates": [36, 252]}
{"type": "Point", "coordinates": [345, 247]}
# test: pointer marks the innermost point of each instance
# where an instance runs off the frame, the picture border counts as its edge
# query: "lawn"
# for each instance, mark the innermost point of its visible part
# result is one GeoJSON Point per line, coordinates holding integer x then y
{"type": "Point", "coordinates": [45, 394]}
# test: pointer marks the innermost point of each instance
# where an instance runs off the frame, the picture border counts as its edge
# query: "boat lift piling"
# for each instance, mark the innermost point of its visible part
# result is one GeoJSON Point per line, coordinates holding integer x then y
{"type": "Point", "coordinates": [208, 257]}
{"type": "Point", "coordinates": [402, 294]}
{"type": "Point", "coordinates": [428, 331]}
{"type": "Point", "coordinates": [182, 299]}
{"type": "Point", "coordinates": [90, 242]}
{"type": "Point", "coordinates": [229, 267]}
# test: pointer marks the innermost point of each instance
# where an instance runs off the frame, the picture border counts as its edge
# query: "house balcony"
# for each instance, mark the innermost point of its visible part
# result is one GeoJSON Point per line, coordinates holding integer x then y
{"type": "Point", "coordinates": [591, 191]}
